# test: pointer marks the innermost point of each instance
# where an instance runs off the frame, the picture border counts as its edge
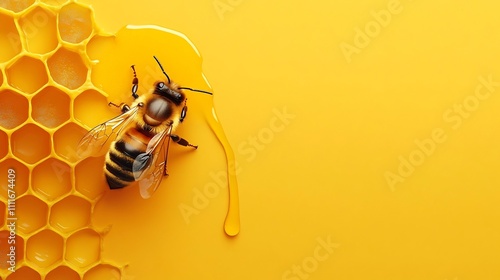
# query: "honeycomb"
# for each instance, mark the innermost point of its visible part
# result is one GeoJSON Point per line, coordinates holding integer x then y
{"type": "Point", "coordinates": [43, 62]}
{"type": "Point", "coordinates": [46, 87]}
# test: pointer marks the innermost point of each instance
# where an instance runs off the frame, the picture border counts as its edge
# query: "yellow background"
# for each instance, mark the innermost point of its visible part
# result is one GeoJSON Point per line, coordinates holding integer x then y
{"type": "Point", "coordinates": [323, 176]}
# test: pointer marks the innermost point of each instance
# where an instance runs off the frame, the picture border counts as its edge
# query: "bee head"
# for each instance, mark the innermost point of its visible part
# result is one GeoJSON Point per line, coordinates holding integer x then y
{"type": "Point", "coordinates": [175, 96]}
{"type": "Point", "coordinates": [178, 88]}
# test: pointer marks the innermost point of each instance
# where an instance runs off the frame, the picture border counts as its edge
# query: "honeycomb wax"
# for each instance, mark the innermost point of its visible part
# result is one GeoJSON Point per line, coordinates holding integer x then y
{"type": "Point", "coordinates": [51, 179]}
{"type": "Point", "coordinates": [83, 248]}
{"type": "Point", "coordinates": [46, 215]}
{"type": "Point", "coordinates": [102, 271]}
{"type": "Point", "coordinates": [10, 42]}
{"type": "Point", "coordinates": [27, 74]}
{"type": "Point", "coordinates": [50, 107]}
{"type": "Point", "coordinates": [75, 23]}
{"type": "Point", "coordinates": [39, 27]}
{"type": "Point", "coordinates": [44, 248]}
{"type": "Point", "coordinates": [67, 68]}
{"type": "Point", "coordinates": [11, 116]}
{"type": "Point", "coordinates": [30, 143]}
{"type": "Point", "coordinates": [61, 71]}
{"type": "Point", "coordinates": [3, 148]}
{"type": "Point", "coordinates": [70, 213]}
{"type": "Point", "coordinates": [62, 272]}
{"type": "Point", "coordinates": [23, 273]}
{"type": "Point", "coordinates": [31, 214]}
{"type": "Point", "coordinates": [17, 6]}
{"type": "Point", "coordinates": [64, 138]}
{"type": "Point", "coordinates": [96, 100]}
{"type": "Point", "coordinates": [86, 182]}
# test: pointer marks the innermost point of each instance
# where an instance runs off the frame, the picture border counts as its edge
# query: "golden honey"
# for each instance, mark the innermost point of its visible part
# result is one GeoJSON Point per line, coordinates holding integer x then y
{"type": "Point", "coordinates": [58, 73]}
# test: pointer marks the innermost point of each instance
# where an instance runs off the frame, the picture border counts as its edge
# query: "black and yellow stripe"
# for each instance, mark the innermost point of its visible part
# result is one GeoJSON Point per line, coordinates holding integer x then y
{"type": "Point", "coordinates": [121, 155]}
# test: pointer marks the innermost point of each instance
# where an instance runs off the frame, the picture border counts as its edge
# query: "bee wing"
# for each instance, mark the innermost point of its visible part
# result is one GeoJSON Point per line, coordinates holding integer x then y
{"type": "Point", "coordinates": [150, 167]}
{"type": "Point", "coordinates": [97, 137]}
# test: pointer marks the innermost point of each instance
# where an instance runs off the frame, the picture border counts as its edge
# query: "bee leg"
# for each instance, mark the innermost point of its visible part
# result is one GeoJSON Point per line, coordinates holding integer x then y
{"type": "Point", "coordinates": [165, 172]}
{"type": "Point", "coordinates": [135, 84]}
{"type": "Point", "coordinates": [181, 141]}
{"type": "Point", "coordinates": [123, 106]}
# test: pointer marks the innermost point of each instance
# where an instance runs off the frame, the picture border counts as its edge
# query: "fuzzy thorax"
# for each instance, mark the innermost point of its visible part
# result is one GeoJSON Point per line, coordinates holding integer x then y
{"type": "Point", "coordinates": [143, 120]}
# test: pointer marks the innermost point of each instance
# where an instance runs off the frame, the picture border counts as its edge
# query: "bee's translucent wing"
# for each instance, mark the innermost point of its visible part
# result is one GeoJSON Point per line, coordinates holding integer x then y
{"type": "Point", "coordinates": [151, 181]}
{"type": "Point", "coordinates": [149, 168]}
{"type": "Point", "coordinates": [97, 137]}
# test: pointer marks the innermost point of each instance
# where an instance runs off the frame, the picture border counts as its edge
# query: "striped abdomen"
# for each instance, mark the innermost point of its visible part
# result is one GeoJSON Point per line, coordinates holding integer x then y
{"type": "Point", "coordinates": [121, 155]}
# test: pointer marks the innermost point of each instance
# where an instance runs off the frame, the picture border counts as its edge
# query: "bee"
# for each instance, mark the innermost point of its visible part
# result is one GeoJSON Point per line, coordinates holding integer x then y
{"type": "Point", "coordinates": [140, 136]}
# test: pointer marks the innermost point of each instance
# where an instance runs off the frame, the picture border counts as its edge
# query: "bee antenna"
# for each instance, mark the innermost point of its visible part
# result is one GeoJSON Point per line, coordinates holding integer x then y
{"type": "Point", "coordinates": [161, 67]}
{"type": "Point", "coordinates": [197, 90]}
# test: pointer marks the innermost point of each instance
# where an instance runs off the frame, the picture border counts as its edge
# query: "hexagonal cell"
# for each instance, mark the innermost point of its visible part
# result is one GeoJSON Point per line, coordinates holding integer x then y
{"type": "Point", "coordinates": [27, 74]}
{"type": "Point", "coordinates": [103, 271]}
{"type": "Point", "coordinates": [71, 213]}
{"type": "Point", "coordinates": [91, 108]}
{"type": "Point", "coordinates": [44, 248]}
{"type": "Point", "coordinates": [31, 213]}
{"type": "Point", "coordinates": [62, 273]}
{"type": "Point", "coordinates": [75, 23]}
{"type": "Point", "coordinates": [7, 239]}
{"type": "Point", "coordinates": [24, 273]}
{"type": "Point", "coordinates": [4, 147]}
{"type": "Point", "coordinates": [50, 107]}
{"type": "Point", "coordinates": [67, 68]}
{"type": "Point", "coordinates": [16, 5]}
{"type": "Point", "coordinates": [83, 248]}
{"type": "Point", "coordinates": [51, 179]}
{"type": "Point", "coordinates": [21, 181]}
{"type": "Point", "coordinates": [10, 42]}
{"type": "Point", "coordinates": [89, 177]}
{"type": "Point", "coordinates": [30, 143]}
{"type": "Point", "coordinates": [14, 110]}
{"type": "Point", "coordinates": [66, 140]}
{"type": "Point", "coordinates": [39, 27]}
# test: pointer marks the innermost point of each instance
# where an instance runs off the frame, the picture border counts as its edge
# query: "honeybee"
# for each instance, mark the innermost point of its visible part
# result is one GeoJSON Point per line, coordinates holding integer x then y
{"type": "Point", "coordinates": [138, 151]}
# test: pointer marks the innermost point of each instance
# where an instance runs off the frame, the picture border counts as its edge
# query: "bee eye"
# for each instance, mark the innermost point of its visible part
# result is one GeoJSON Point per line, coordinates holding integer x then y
{"type": "Point", "coordinates": [160, 85]}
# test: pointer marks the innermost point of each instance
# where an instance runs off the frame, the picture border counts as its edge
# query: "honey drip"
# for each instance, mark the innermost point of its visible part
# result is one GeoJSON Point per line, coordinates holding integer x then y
{"type": "Point", "coordinates": [232, 222]}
